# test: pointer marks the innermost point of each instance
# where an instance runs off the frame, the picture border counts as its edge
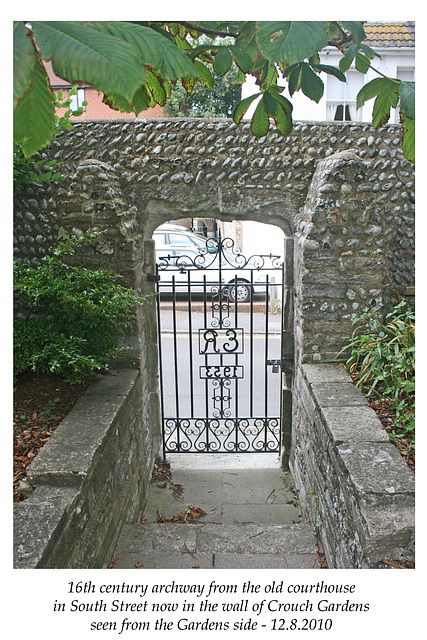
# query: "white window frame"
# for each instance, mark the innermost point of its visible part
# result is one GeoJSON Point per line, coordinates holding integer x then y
{"type": "Point", "coordinates": [347, 102]}
{"type": "Point", "coordinates": [77, 100]}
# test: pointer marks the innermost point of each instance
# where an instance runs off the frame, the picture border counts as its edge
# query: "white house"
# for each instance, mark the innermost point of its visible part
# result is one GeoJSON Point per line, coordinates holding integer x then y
{"type": "Point", "coordinates": [393, 41]}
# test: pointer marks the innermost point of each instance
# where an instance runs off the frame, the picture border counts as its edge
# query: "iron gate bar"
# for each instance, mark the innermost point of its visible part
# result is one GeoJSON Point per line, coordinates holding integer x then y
{"type": "Point", "coordinates": [159, 339]}
{"type": "Point", "coordinates": [266, 350]}
{"type": "Point", "coordinates": [251, 347]}
{"type": "Point", "coordinates": [205, 314]}
{"type": "Point", "coordinates": [175, 345]}
{"type": "Point", "coordinates": [190, 345]}
{"type": "Point", "coordinates": [236, 360]}
{"type": "Point", "coordinates": [223, 429]}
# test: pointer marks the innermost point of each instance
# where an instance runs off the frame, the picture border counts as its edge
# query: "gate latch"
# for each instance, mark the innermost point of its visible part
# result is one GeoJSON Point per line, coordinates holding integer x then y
{"type": "Point", "coordinates": [284, 364]}
{"type": "Point", "coordinates": [153, 277]}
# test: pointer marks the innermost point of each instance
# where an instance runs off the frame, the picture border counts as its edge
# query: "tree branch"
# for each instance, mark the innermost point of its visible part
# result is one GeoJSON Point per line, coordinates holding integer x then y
{"type": "Point", "coordinates": [209, 32]}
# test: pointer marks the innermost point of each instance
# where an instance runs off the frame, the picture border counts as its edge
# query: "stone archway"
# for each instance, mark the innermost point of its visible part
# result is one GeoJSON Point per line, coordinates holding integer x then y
{"type": "Point", "coordinates": [343, 209]}
{"type": "Point", "coordinates": [343, 194]}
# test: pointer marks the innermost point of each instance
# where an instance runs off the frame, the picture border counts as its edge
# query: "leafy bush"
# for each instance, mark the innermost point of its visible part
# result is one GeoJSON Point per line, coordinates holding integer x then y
{"type": "Point", "coordinates": [68, 318]}
{"type": "Point", "coordinates": [382, 360]}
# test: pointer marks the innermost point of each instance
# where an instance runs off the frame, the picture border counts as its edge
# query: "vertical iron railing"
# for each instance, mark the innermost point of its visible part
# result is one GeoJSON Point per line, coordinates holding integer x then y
{"type": "Point", "coordinates": [227, 407]}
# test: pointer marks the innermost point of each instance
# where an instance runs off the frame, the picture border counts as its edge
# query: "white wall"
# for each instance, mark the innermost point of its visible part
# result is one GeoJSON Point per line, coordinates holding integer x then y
{"type": "Point", "coordinates": [259, 238]}
{"type": "Point", "coordinates": [305, 109]}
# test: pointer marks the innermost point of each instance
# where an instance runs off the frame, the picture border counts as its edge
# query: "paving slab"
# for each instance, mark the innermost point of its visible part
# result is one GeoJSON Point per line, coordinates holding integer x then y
{"type": "Point", "coordinates": [252, 519]}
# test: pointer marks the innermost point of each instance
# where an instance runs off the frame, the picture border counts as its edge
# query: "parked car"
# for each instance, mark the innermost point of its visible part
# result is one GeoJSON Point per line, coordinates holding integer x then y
{"type": "Point", "coordinates": [179, 250]}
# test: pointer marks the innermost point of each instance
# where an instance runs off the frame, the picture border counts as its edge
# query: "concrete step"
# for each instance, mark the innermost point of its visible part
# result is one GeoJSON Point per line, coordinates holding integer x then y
{"type": "Point", "coordinates": [214, 512]}
{"type": "Point", "coordinates": [216, 546]}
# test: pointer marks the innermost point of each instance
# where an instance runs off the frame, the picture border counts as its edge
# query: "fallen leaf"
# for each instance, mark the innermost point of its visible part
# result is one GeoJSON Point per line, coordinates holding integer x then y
{"type": "Point", "coordinates": [113, 562]}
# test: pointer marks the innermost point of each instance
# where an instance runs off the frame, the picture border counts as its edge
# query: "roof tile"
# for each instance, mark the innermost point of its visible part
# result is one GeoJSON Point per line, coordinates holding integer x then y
{"type": "Point", "coordinates": [390, 34]}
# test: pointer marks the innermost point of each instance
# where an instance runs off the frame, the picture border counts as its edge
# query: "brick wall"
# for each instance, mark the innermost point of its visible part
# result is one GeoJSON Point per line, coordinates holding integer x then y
{"type": "Point", "coordinates": [97, 110]}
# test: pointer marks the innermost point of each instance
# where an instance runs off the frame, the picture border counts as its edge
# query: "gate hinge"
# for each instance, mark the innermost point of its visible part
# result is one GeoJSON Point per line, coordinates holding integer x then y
{"type": "Point", "coordinates": [153, 277]}
{"type": "Point", "coordinates": [287, 363]}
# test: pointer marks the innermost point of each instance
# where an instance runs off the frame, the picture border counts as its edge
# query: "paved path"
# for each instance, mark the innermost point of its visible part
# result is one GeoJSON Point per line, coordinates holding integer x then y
{"type": "Point", "coordinates": [251, 519]}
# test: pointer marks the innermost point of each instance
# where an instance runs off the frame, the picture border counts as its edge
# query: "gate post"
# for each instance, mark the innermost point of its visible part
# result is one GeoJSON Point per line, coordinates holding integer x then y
{"type": "Point", "coordinates": [149, 364]}
{"type": "Point", "coordinates": [341, 256]}
{"type": "Point", "coordinates": [287, 347]}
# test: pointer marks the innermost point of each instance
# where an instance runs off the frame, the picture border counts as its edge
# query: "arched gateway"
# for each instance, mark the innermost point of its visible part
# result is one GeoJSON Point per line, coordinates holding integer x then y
{"type": "Point", "coordinates": [342, 193]}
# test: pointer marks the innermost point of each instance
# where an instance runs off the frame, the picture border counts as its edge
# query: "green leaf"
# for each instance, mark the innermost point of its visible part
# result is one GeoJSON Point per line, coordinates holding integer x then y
{"type": "Point", "coordinates": [270, 104]}
{"type": "Point", "coordinates": [345, 64]}
{"type": "Point", "coordinates": [407, 99]}
{"type": "Point", "coordinates": [188, 83]}
{"type": "Point", "coordinates": [153, 48]}
{"type": "Point", "coordinates": [24, 61]}
{"type": "Point", "coordinates": [205, 76]}
{"type": "Point", "coordinates": [242, 58]}
{"type": "Point", "coordinates": [140, 101]}
{"type": "Point", "coordinates": [387, 92]}
{"type": "Point", "coordinates": [311, 84]}
{"type": "Point", "coordinates": [334, 31]}
{"type": "Point", "coordinates": [303, 77]}
{"type": "Point", "coordinates": [83, 53]}
{"type": "Point", "coordinates": [362, 62]}
{"type": "Point", "coordinates": [381, 110]}
{"type": "Point", "coordinates": [247, 39]}
{"type": "Point", "coordinates": [156, 89]}
{"type": "Point", "coordinates": [269, 75]}
{"type": "Point", "coordinates": [222, 61]}
{"type": "Point", "coordinates": [408, 142]}
{"type": "Point", "coordinates": [242, 106]}
{"type": "Point", "coordinates": [202, 49]}
{"type": "Point", "coordinates": [260, 121]}
{"type": "Point", "coordinates": [241, 77]}
{"type": "Point", "coordinates": [283, 118]}
{"type": "Point", "coordinates": [34, 117]}
{"type": "Point", "coordinates": [294, 82]}
{"type": "Point", "coordinates": [351, 51]}
{"type": "Point", "coordinates": [369, 53]}
{"type": "Point", "coordinates": [356, 29]}
{"type": "Point", "coordinates": [333, 71]}
{"type": "Point", "coordinates": [289, 42]}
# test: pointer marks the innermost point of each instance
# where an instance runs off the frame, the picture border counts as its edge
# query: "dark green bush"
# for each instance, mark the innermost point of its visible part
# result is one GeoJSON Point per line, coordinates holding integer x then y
{"type": "Point", "coordinates": [68, 319]}
{"type": "Point", "coordinates": [382, 360]}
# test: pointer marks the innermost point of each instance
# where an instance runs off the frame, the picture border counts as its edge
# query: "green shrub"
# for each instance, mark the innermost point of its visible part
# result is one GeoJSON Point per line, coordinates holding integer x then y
{"type": "Point", "coordinates": [68, 318]}
{"type": "Point", "coordinates": [382, 360]}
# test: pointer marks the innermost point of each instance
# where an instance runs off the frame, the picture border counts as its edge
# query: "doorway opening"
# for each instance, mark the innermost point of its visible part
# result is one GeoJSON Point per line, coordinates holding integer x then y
{"type": "Point", "coordinates": [224, 356]}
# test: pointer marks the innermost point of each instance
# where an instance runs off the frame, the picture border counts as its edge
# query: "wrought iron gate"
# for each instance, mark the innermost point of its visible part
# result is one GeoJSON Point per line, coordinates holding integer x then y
{"type": "Point", "coordinates": [220, 350]}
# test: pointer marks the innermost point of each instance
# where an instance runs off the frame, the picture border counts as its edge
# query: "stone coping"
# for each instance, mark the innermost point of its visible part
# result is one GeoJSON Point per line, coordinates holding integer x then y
{"type": "Point", "coordinates": [64, 465]}
{"type": "Point", "coordinates": [375, 485]}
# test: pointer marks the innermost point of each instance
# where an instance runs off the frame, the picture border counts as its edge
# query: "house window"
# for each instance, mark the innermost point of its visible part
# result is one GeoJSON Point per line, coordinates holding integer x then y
{"type": "Point", "coordinates": [341, 97]}
{"type": "Point", "coordinates": [77, 100]}
{"type": "Point", "coordinates": [403, 73]}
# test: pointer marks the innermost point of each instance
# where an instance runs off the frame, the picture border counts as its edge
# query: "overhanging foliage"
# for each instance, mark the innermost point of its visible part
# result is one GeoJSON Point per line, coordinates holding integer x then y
{"type": "Point", "coordinates": [155, 55]}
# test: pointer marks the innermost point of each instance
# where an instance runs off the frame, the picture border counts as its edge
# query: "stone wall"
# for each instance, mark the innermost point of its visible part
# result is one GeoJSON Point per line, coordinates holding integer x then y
{"type": "Point", "coordinates": [350, 479]}
{"type": "Point", "coordinates": [340, 267]}
{"type": "Point", "coordinates": [344, 192]}
{"type": "Point", "coordinates": [91, 478]}
{"type": "Point", "coordinates": [153, 171]}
